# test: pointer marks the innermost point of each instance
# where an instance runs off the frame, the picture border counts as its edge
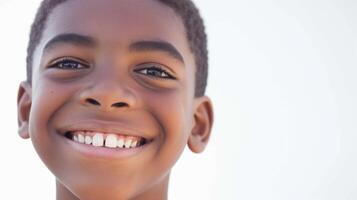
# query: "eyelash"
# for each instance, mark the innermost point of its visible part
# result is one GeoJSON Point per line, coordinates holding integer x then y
{"type": "Point", "coordinates": [70, 62]}
{"type": "Point", "coordinates": [164, 74]}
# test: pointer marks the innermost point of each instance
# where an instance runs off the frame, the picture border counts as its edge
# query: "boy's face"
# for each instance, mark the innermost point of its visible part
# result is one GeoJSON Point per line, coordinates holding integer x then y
{"type": "Point", "coordinates": [113, 67]}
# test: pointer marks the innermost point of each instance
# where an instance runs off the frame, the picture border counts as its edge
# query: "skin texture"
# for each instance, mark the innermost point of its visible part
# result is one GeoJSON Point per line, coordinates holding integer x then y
{"type": "Point", "coordinates": [107, 91]}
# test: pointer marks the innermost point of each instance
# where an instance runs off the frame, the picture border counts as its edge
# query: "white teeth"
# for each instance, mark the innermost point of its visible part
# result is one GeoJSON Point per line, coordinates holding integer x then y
{"type": "Point", "coordinates": [127, 144]}
{"type": "Point", "coordinates": [88, 139]}
{"type": "Point", "coordinates": [111, 141]}
{"type": "Point", "coordinates": [120, 142]}
{"type": "Point", "coordinates": [98, 140]}
{"type": "Point", "coordinates": [75, 138]}
{"type": "Point", "coordinates": [133, 145]}
{"type": "Point", "coordinates": [107, 140]}
{"type": "Point", "coordinates": [80, 138]}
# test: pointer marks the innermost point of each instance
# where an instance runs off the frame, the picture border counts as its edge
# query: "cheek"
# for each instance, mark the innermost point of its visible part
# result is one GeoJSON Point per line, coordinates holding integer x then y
{"type": "Point", "coordinates": [173, 114]}
{"type": "Point", "coordinates": [47, 99]}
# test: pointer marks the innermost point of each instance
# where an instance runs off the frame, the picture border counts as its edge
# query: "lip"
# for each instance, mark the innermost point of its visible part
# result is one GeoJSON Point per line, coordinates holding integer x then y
{"type": "Point", "coordinates": [90, 151]}
{"type": "Point", "coordinates": [104, 127]}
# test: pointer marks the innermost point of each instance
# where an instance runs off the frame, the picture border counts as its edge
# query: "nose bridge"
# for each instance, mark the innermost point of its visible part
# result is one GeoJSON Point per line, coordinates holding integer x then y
{"type": "Point", "coordinates": [107, 91]}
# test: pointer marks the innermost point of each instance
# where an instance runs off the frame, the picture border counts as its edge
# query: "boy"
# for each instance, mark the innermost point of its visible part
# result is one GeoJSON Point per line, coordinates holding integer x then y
{"type": "Point", "coordinates": [114, 92]}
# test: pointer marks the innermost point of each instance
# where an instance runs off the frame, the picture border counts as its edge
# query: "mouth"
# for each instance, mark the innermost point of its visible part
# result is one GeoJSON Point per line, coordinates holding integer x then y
{"type": "Point", "coordinates": [107, 140]}
{"type": "Point", "coordinates": [98, 139]}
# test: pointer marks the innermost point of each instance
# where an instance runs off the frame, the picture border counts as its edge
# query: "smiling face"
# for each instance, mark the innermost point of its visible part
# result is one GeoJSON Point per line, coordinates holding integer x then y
{"type": "Point", "coordinates": [111, 106]}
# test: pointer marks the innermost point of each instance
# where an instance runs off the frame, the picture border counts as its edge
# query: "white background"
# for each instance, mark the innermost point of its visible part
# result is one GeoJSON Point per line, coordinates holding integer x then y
{"type": "Point", "coordinates": [283, 79]}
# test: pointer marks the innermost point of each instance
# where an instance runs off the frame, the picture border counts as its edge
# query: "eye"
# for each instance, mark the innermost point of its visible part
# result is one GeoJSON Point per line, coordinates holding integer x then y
{"type": "Point", "coordinates": [69, 64]}
{"type": "Point", "coordinates": [155, 71]}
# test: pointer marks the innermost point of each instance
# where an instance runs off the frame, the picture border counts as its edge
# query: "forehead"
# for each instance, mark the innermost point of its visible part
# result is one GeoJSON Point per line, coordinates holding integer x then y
{"type": "Point", "coordinates": [117, 23]}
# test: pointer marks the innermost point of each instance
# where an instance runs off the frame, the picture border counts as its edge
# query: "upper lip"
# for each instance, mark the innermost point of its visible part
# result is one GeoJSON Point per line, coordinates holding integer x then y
{"type": "Point", "coordinates": [104, 127]}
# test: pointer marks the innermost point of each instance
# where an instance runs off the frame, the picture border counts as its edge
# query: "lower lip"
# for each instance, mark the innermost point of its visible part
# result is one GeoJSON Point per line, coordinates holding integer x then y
{"type": "Point", "coordinates": [105, 152]}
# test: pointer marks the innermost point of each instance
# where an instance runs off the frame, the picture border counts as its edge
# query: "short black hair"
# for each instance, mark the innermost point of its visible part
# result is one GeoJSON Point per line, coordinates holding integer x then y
{"type": "Point", "coordinates": [186, 9]}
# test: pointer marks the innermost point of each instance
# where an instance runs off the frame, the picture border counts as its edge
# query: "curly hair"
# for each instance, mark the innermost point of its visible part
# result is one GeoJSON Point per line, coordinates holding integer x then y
{"type": "Point", "coordinates": [186, 9]}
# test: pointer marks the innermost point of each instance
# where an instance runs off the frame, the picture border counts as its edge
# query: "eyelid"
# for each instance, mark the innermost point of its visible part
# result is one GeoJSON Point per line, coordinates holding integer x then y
{"type": "Point", "coordinates": [158, 65]}
{"type": "Point", "coordinates": [67, 58]}
{"type": "Point", "coordinates": [162, 67]}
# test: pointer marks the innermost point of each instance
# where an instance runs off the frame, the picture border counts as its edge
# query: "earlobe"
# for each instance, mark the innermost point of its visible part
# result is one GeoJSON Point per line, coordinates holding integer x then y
{"type": "Point", "coordinates": [203, 121]}
{"type": "Point", "coordinates": [23, 107]}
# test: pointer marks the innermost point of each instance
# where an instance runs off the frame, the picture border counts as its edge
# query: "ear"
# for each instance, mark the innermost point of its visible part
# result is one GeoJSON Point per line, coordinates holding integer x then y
{"type": "Point", "coordinates": [202, 125]}
{"type": "Point", "coordinates": [23, 109]}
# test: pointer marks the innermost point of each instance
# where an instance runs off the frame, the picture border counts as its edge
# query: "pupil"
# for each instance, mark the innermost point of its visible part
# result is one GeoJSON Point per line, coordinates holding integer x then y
{"type": "Point", "coordinates": [69, 65]}
{"type": "Point", "coordinates": [154, 72]}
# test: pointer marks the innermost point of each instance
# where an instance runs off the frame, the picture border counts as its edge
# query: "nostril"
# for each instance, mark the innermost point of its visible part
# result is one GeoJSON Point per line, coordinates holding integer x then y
{"type": "Point", "coordinates": [120, 104]}
{"type": "Point", "coordinates": [92, 101]}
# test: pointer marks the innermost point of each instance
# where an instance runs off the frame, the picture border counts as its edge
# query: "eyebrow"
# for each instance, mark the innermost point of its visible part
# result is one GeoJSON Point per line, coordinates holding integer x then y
{"type": "Point", "coordinates": [157, 46]}
{"type": "Point", "coordinates": [87, 41]}
{"type": "Point", "coordinates": [70, 38]}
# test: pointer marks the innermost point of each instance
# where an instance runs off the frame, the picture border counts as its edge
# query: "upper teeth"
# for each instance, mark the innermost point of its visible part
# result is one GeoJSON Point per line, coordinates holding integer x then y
{"type": "Point", "coordinates": [107, 140]}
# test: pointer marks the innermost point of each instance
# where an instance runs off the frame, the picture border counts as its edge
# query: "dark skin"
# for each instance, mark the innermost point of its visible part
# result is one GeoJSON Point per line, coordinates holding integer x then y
{"type": "Point", "coordinates": [113, 66]}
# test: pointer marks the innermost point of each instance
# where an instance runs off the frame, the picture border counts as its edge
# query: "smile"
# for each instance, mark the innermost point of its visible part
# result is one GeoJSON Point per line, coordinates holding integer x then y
{"type": "Point", "coordinates": [109, 140]}
{"type": "Point", "coordinates": [106, 140]}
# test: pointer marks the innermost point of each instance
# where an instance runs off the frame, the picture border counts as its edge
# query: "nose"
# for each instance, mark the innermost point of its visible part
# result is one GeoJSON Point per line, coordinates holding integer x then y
{"type": "Point", "coordinates": [107, 95]}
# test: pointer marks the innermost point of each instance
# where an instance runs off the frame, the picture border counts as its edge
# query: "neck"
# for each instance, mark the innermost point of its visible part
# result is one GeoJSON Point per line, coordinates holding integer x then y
{"type": "Point", "coordinates": [157, 192]}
